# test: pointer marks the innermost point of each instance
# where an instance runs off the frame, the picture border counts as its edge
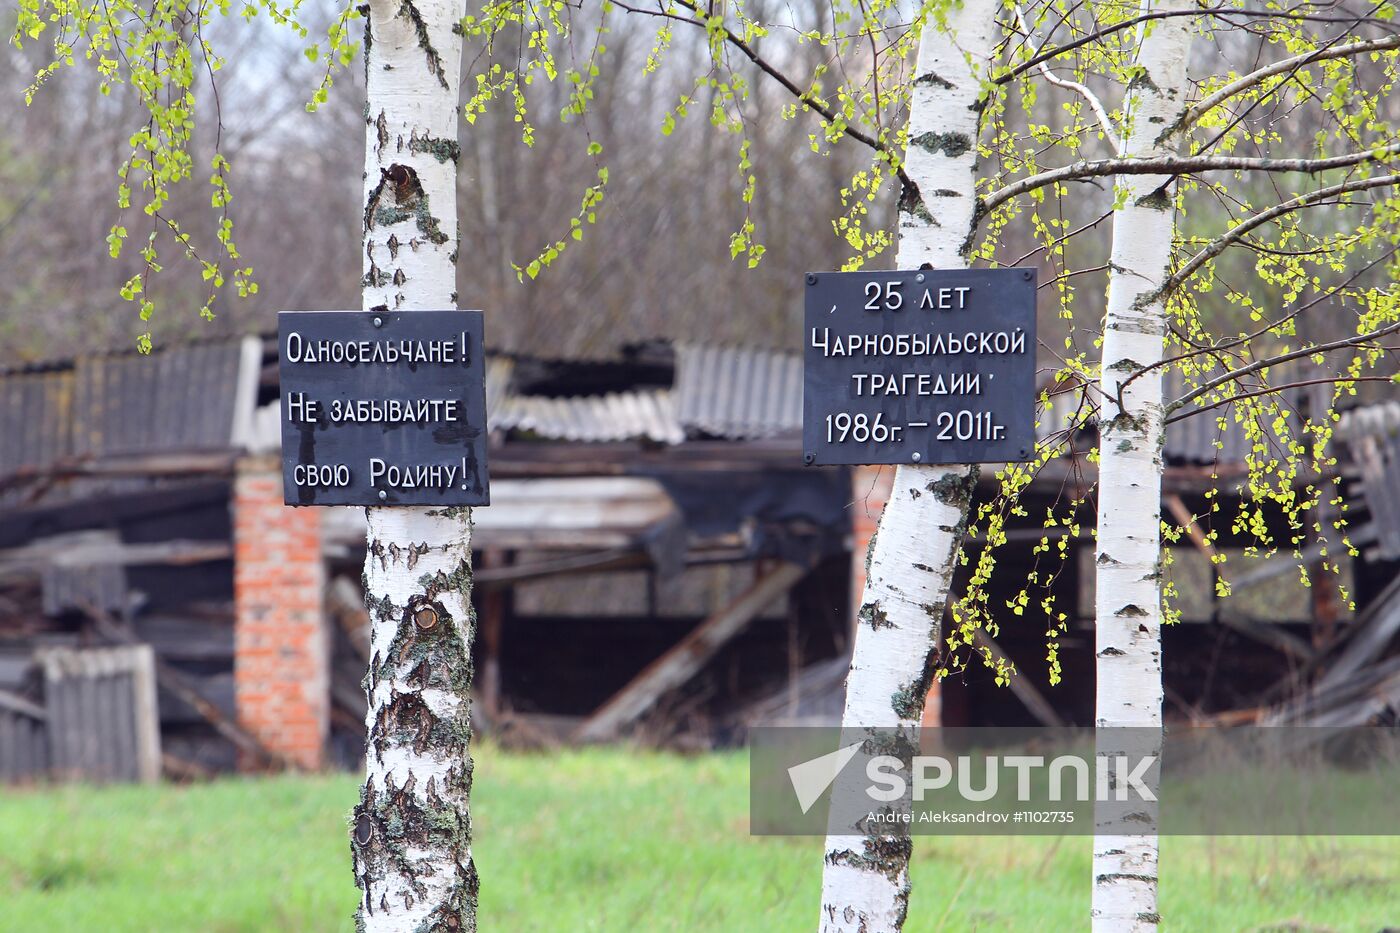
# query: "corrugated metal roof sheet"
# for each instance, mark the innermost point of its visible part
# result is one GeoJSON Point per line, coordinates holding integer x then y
{"type": "Point", "coordinates": [719, 391]}
{"type": "Point", "coordinates": [616, 416]}
{"type": "Point", "coordinates": [35, 418]}
{"type": "Point", "coordinates": [500, 371]}
{"type": "Point", "coordinates": [179, 398]}
{"type": "Point", "coordinates": [738, 393]}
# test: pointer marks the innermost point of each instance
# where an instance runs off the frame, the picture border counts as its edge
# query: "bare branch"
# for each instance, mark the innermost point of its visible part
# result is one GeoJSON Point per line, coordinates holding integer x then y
{"type": "Point", "coordinates": [1061, 239]}
{"type": "Point", "coordinates": [791, 86]}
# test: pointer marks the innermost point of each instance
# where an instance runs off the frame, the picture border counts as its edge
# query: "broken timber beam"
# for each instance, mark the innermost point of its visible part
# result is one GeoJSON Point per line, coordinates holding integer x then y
{"type": "Point", "coordinates": [682, 661]}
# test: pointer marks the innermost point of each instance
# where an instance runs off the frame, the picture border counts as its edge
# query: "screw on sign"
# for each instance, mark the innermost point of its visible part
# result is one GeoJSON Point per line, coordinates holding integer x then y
{"type": "Point", "coordinates": [923, 366]}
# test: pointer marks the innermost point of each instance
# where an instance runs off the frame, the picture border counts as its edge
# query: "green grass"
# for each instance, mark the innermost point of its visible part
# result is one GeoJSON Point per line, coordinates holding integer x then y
{"type": "Point", "coordinates": [610, 840]}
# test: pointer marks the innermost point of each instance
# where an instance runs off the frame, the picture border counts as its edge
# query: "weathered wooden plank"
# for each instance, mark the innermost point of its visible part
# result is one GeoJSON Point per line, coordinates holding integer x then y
{"type": "Point", "coordinates": [10, 745]}
{"type": "Point", "coordinates": [61, 748]}
{"type": "Point", "coordinates": [98, 708]}
{"type": "Point", "coordinates": [146, 717]}
{"type": "Point", "coordinates": [84, 549]}
{"type": "Point", "coordinates": [1367, 637]}
{"type": "Point", "coordinates": [28, 763]}
{"type": "Point", "coordinates": [572, 513]}
{"type": "Point", "coordinates": [83, 723]}
{"type": "Point", "coordinates": [39, 748]}
{"type": "Point", "coordinates": [346, 604]}
{"type": "Point", "coordinates": [15, 755]}
{"type": "Point", "coordinates": [33, 755]}
{"type": "Point", "coordinates": [588, 562]}
{"type": "Point", "coordinates": [116, 706]}
{"type": "Point", "coordinates": [120, 727]}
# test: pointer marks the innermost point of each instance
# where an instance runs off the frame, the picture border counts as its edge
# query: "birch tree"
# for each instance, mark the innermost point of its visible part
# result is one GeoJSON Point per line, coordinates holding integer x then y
{"type": "Point", "coordinates": [1129, 566]}
{"type": "Point", "coordinates": [1158, 297]}
{"type": "Point", "coordinates": [865, 881]}
{"type": "Point", "coordinates": [1128, 599]}
{"type": "Point", "coordinates": [412, 829]}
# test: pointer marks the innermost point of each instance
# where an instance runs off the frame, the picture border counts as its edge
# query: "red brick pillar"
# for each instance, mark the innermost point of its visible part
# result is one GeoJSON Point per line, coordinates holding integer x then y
{"type": "Point", "coordinates": [281, 649]}
{"type": "Point", "coordinates": [871, 490]}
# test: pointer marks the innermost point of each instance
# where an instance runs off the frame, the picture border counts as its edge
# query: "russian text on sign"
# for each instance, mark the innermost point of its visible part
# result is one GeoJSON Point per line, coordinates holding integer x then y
{"type": "Point", "coordinates": [383, 408]}
{"type": "Point", "coordinates": [919, 366]}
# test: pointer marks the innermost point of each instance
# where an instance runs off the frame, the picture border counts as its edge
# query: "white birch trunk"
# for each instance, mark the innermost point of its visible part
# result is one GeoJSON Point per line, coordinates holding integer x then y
{"type": "Point", "coordinates": [1128, 608]}
{"type": "Point", "coordinates": [411, 839]}
{"type": "Point", "coordinates": [865, 880]}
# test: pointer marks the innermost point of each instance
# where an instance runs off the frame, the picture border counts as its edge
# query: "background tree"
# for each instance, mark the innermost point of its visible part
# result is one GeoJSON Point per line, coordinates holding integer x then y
{"type": "Point", "coordinates": [295, 174]}
{"type": "Point", "coordinates": [1128, 593]}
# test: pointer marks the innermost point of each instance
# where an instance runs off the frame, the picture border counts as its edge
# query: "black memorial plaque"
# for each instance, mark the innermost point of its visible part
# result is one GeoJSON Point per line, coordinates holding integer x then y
{"type": "Point", "coordinates": [919, 367]}
{"type": "Point", "coordinates": [382, 408]}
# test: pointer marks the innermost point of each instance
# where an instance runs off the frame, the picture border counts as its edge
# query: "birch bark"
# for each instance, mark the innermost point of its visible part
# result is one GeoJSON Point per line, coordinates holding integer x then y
{"type": "Point", "coordinates": [865, 880]}
{"type": "Point", "coordinates": [411, 839]}
{"type": "Point", "coordinates": [1128, 598]}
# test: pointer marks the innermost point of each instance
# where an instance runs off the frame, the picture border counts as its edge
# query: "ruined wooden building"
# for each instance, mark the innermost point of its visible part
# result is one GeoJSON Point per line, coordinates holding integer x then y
{"type": "Point", "coordinates": [656, 562]}
{"type": "Point", "coordinates": [653, 554]}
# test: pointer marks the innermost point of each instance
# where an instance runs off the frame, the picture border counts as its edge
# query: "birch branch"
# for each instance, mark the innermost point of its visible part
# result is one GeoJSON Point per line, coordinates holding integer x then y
{"type": "Point", "coordinates": [1218, 11]}
{"type": "Point", "coordinates": [1245, 82]}
{"type": "Point", "coordinates": [1215, 350]}
{"type": "Point", "coordinates": [1274, 390]}
{"type": "Point", "coordinates": [1235, 233]}
{"type": "Point", "coordinates": [1234, 374]}
{"type": "Point", "coordinates": [1180, 165]}
{"type": "Point", "coordinates": [1075, 87]}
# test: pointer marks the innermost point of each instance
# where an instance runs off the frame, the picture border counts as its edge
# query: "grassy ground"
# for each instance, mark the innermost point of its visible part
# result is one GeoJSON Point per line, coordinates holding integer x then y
{"type": "Point", "coordinates": [609, 840]}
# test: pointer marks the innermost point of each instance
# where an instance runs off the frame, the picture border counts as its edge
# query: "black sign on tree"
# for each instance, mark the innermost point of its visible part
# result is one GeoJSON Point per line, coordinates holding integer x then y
{"type": "Point", "coordinates": [920, 366]}
{"type": "Point", "coordinates": [382, 408]}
